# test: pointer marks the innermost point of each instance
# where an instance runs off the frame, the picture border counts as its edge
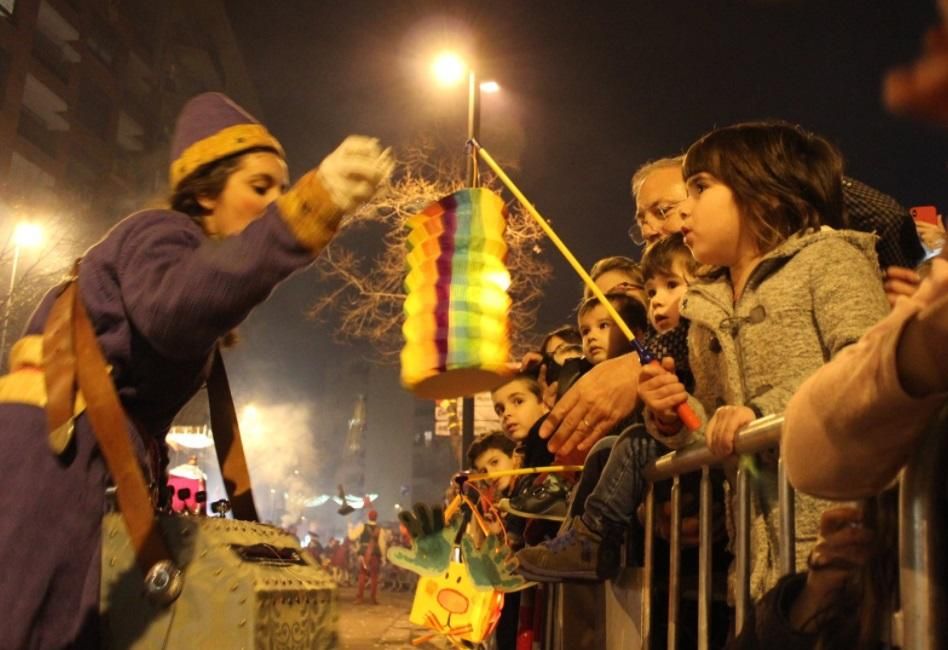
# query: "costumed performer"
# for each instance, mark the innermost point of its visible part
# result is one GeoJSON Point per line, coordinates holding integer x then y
{"type": "Point", "coordinates": [161, 289]}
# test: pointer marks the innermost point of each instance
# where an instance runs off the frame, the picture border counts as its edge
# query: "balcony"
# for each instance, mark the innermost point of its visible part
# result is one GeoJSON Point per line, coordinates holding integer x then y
{"type": "Point", "coordinates": [33, 129]}
{"type": "Point", "coordinates": [52, 41]}
{"type": "Point", "coordinates": [51, 56]}
{"type": "Point", "coordinates": [41, 116]}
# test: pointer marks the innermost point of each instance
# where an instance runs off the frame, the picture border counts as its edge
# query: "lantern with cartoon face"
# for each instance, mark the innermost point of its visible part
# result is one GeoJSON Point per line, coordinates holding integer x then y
{"type": "Point", "coordinates": [453, 605]}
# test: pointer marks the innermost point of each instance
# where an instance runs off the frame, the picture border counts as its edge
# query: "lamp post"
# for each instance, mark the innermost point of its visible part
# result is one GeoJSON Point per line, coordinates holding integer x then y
{"type": "Point", "coordinates": [449, 69]}
{"type": "Point", "coordinates": [28, 235]}
{"type": "Point", "coordinates": [473, 133]}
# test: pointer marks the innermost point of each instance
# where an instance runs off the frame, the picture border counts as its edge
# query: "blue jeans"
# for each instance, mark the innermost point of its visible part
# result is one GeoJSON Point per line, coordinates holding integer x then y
{"type": "Point", "coordinates": [610, 507]}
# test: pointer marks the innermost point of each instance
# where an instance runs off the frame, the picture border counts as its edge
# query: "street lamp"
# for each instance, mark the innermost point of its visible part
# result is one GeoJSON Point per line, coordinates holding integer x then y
{"type": "Point", "coordinates": [449, 70]}
{"type": "Point", "coordinates": [27, 235]}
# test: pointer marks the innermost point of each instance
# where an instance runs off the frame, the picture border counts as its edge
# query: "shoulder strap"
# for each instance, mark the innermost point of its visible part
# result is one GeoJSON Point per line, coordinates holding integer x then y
{"type": "Point", "coordinates": [71, 359]}
{"type": "Point", "coordinates": [86, 367]}
{"type": "Point", "coordinates": [230, 450]}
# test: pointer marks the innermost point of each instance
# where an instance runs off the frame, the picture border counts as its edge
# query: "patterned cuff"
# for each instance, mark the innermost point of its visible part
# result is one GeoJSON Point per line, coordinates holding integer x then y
{"type": "Point", "coordinates": [311, 215]}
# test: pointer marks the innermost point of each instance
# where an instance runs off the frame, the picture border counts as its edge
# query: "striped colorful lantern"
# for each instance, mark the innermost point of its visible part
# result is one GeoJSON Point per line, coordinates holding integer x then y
{"type": "Point", "coordinates": [456, 332]}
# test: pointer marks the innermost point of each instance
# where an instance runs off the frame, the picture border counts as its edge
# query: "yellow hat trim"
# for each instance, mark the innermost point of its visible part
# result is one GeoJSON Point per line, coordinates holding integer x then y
{"type": "Point", "coordinates": [225, 142]}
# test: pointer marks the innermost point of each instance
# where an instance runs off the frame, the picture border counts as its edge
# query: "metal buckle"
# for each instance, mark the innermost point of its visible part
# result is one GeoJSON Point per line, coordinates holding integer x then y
{"type": "Point", "coordinates": [163, 583]}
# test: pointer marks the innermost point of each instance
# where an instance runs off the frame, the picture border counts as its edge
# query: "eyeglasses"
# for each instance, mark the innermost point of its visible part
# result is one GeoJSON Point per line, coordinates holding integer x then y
{"type": "Point", "coordinates": [659, 213]}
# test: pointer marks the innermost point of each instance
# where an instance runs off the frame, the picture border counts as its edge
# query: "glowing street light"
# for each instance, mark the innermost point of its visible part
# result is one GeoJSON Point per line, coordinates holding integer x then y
{"type": "Point", "coordinates": [25, 235]}
{"type": "Point", "coordinates": [449, 68]}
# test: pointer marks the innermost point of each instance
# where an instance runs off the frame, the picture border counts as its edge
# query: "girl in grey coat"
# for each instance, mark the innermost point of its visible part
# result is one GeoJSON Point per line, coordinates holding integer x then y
{"type": "Point", "coordinates": [783, 292]}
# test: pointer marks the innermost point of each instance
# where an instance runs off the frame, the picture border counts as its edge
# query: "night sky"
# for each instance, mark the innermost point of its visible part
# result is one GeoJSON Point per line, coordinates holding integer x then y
{"type": "Point", "coordinates": [589, 91]}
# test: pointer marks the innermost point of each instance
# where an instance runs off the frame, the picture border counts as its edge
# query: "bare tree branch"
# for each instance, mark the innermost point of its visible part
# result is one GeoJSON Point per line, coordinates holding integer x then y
{"type": "Point", "coordinates": [363, 297]}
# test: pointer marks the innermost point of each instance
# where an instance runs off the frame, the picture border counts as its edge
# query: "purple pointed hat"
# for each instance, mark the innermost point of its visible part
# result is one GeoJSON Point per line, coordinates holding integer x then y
{"type": "Point", "coordinates": [210, 127]}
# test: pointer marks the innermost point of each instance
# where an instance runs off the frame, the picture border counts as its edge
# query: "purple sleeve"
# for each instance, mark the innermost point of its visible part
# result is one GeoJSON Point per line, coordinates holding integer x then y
{"type": "Point", "coordinates": [179, 289]}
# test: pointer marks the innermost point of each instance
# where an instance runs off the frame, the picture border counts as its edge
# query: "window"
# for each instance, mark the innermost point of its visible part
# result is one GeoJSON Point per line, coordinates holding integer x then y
{"type": "Point", "coordinates": [6, 8]}
{"type": "Point", "coordinates": [101, 41]}
{"type": "Point", "coordinates": [33, 129]}
{"type": "Point", "coordinates": [27, 175]}
{"type": "Point", "coordinates": [94, 109]}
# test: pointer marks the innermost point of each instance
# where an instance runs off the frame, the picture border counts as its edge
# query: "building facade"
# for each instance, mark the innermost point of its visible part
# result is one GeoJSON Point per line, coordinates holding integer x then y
{"type": "Point", "coordinates": [89, 90]}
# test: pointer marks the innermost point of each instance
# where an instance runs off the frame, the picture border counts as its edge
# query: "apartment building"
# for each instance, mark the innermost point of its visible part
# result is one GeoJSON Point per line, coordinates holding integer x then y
{"type": "Point", "coordinates": [89, 90]}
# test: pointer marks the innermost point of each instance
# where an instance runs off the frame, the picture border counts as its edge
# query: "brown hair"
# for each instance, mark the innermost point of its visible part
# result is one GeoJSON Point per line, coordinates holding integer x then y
{"type": "Point", "coordinates": [632, 311]}
{"type": "Point", "coordinates": [568, 333]}
{"type": "Point", "coordinates": [207, 181]}
{"type": "Point", "coordinates": [784, 179]}
{"type": "Point", "coordinates": [660, 258]}
{"type": "Point", "coordinates": [493, 440]}
{"type": "Point", "coordinates": [615, 263]}
{"type": "Point", "coordinates": [529, 380]}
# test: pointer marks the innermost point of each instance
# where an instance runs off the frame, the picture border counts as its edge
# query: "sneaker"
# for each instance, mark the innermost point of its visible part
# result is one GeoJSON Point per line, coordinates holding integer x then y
{"type": "Point", "coordinates": [544, 500]}
{"type": "Point", "coordinates": [577, 554]}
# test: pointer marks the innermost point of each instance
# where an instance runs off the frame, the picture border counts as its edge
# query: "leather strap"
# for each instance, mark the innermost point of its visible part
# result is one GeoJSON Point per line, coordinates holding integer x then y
{"type": "Point", "coordinates": [59, 363]}
{"type": "Point", "coordinates": [71, 358]}
{"type": "Point", "coordinates": [107, 418]}
{"type": "Point", "coordinates": [230, 450]}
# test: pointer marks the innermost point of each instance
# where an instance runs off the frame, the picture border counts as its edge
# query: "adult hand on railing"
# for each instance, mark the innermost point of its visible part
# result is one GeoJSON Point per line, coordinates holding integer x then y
{"type": "Point", "coordinates": [842, 548]}
{"type": "Point", "coordinates": [723, 427]}
{"type": "Point", "coordinates": [593, 405]}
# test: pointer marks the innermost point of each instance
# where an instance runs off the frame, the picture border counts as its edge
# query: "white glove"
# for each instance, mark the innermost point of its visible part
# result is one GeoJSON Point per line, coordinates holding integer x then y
{"type": "Point", "coordinates": [353, 172]}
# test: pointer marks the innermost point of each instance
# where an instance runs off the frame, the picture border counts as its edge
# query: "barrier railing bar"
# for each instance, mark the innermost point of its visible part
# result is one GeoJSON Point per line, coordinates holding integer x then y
{"type": "Point", "coordinates": [704, 560]}
{"type": "Point", "coordinates": [788, 545]}
{"type": "Point", "coordinates": [648, 553]}
{"type": "Point", "coordinates": [922, 534]}
{"type": "Point", "coordinates": [756, 436]}
{"type": "Point", "coordinates": [742, 595]}
{"type": "Point", "coordinates": [674, 563]}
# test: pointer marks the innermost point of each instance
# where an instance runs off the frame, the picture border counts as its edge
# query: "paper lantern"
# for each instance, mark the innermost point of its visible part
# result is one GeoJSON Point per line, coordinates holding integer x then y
{"type": "Point", "coordinates": [453, 606]}
{"type": "Point", "coordinates": [456, 329]}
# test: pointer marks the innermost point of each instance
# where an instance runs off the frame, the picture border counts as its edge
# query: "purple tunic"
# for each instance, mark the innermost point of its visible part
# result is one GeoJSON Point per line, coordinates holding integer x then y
{"type": "Point", "coordinates": [160, 294]}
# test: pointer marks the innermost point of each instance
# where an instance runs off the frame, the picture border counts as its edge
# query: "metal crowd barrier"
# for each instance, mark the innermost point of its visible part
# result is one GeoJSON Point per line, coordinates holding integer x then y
{"type": "Point", "coordinates": [758, 436]}
{"type": "Point", "coordinates": [917, 624]}
{"type": "Point", "coordinates": [920, 622]}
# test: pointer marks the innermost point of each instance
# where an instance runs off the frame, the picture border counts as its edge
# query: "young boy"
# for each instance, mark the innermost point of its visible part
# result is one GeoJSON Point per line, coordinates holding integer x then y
{"type": "Point", "coordinates": [589, 550]}
{"type": "Point", "coordinates": [602, 338]}
{"type": "Point", "coordinates": [519, 404]}
{"type": "Point", "coordinates": [497, 452]}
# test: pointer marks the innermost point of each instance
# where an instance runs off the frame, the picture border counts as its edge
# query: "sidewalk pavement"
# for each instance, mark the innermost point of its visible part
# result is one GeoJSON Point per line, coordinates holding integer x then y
{"type": "Point", "coordinates": [386, 625]}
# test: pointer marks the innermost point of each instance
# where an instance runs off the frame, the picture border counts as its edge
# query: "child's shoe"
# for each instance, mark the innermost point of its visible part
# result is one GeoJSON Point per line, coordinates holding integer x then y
{"type": "Point", "coordinates": [577, 554]}
{"type": "Point", "coordinates": [545, 500]}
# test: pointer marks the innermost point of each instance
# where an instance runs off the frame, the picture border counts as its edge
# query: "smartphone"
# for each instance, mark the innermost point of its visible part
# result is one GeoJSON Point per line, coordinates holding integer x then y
{"type": "Point", "coordinates": [926, 213]}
